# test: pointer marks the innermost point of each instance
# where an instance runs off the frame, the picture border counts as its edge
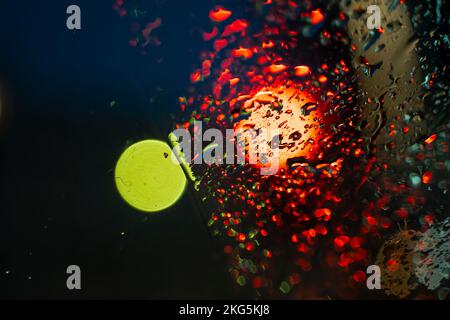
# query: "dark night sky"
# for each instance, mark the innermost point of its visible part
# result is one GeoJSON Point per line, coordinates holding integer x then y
{"type": "Point", "coordinates": [58, 202]}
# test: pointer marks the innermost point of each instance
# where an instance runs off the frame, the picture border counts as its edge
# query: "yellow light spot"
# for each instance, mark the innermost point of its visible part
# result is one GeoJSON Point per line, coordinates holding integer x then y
{"type": "Point", "coordinates": [147, 178]}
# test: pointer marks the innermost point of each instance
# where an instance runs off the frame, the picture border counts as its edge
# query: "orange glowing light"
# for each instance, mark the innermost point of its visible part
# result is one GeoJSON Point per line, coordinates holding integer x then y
{"type": "Point", "coordinates": [431, 139]}
{"type": "Point", "coordinates": [196, 76]}
{"type": "Point", "coordinates": [220, 44]}
{"type": "Point", "coordinates": [301, 71]}
{"type": "Point", "coordinates": [219, 15]}
{"type": "Point", "coordinates": [426, 177]}
{"type": "Point", "coordinates": [242, 53]}
{"type": "Point", "coordinates": [268, 45]}
{"type": "Point", "coordinates": [234, 81]}
{"type": "Point", "coordinates": [317, 16]}
{"type": "Point", "coordinates": [288, 110]}
{"type": "Point", "coordinates": [277, 68]}
{"type": "Point", "coordinates": [235, 27]}
{"type": "Point", "coordinates": [323, 79]}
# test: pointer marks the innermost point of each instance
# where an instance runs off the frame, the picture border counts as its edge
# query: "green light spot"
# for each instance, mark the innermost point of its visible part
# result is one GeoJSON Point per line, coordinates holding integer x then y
{"type": "Point", "coordinates": [241, 281]}
{"type": "Point", "coordinates": [285, 287]}
{"type": "Point", "coordinates": [148, 178]}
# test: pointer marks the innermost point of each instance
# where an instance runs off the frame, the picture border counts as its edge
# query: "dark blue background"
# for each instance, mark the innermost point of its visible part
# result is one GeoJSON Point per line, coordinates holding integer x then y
{"type": "Point", "coordinates": [60, 142]}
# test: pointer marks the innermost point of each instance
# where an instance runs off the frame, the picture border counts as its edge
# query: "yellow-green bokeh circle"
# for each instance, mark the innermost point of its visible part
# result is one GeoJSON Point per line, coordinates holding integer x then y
{"type": "Point", "coordinates": [147, 178]}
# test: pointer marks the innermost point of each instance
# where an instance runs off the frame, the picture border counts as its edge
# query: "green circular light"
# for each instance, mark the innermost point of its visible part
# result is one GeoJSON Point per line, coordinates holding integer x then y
{"type": "Point", "coordinates": [147, 178]}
